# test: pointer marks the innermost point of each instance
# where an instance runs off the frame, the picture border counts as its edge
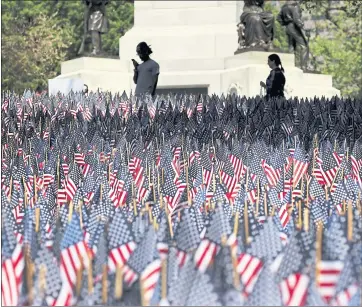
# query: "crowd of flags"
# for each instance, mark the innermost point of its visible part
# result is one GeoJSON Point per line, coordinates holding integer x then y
{"type": "Point", "coordinates": [180, 200]}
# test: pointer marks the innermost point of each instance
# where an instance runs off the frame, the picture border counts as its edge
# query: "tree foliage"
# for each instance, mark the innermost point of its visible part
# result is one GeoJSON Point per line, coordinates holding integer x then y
{"type": "Point", "coordinates": [280, 41]}
{"type": "Point", "coordinates": [38, 35]}
{"type": "Point", "coordinates": [335, 42]}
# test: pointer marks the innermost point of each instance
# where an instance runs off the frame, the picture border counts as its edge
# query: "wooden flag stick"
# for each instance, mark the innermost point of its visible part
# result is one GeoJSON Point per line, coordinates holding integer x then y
{"type": "Point", "coordinates": [58, 172]}
{"type": "Point", "coordinates": [25, 193]}
{"type": "Point", "coordinates": [326, 192]}
{"type": "Point", "coordinates": [101, 192]}
{"type": "Point", "coordinates": [236, 223]}
{"type": "Point", "coordinates": [134, 200]}
{"type": "Point", "coordinates": [273, 210]}
{"type": "Point", "coordinates": [142, 290]}
{"type": "Point", "coordinates": [164, 280]}
{"type": "Point", "coordinates": [246, 223]}
{"type": "Point", "coordinates": [35, 189]}
{"type": "Point", "coordinates": [37, 219]}
{"type": "Point", "coordinates": [70, 214]}
{"type": "Point", "coordinates": [265, 201]}
{"type": "Point", "coordinates": [134, 205]}
{"type": "Point", "coordinates": [246, 215]}
{"type": "Point", "coordinates": [306, 219]}
{"type": "Point", "coordinates": [319, 248]}
{"type": "Point", "coordinates": [118, 290]}
{"type": "Point", "coordinates": [313, 162]}
{"type": "Point", "coordinates": [170, 224]}
{"type": "Point", "coordinates": [80, 204]}
{"type": "Point", "coordinates": [153, 187]}
{"type": "Point", "coordinates": [187, 183]}
{"type": "Point", "coordinates": [350, 222]}
{"type": "Point", "coordinates": [42, 279]}
{"type": "Point", "coordinates": [234, 263]}
{"type": "Point", "coordinates": [90, 273]}
{"type": "Point", "coordinates": [11, 188]}
{"type": "Point", "coordinates": [104, 285]}
{"type": "Point", "coordinates": [307, 196]}
{"type": "Point", "coordinates": [155, 225]}
{"type": "Point", "coordinates": [78, 285]}
{"type": "Point", "coordinates": [258, 199]}
{"type": "Point", "coordinates": [149, 175]}
{"type": "Point", "coordinates": [30, 273]}
{"type": "Point", "coordinates": [300, 221]}
{"type": "Point", "coordinates": [213, 182]}
{"type": "Point", "coordinates": [150, 215]}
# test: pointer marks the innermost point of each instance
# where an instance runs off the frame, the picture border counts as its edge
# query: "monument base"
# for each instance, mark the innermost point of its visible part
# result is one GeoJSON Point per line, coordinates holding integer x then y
{"type": "Point", "coordinates": [240, 74]}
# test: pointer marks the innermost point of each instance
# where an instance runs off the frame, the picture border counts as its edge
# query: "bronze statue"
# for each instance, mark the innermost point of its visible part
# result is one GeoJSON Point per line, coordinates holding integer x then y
{"type": "Point", "coordinates": [95, 22]}
{"type": "Point", "coordinates": [256, 27]}
{"type": "Point", "coordinates": [290, 16]}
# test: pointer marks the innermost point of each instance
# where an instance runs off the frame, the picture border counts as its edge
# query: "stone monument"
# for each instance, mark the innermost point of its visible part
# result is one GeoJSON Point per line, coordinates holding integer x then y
{"type": "Point", "coordinates": [194, 43]}
{"type": "Point", "coordinates": [290, 16]}
{"type": "Point", "coordinates": [256, 27]}
{"type": "Point", "coordinates": [95, 23]}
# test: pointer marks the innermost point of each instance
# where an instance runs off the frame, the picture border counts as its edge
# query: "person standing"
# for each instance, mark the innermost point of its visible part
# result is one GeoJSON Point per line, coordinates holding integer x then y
{"type": "Point", "coordinates": [85, 90]}
{"type": "Point", "coordinates": [290, 16]}
{"type": "Point", "coordinates": [275, 82]}
{"type": "Point", "coordinates": [145, 74]}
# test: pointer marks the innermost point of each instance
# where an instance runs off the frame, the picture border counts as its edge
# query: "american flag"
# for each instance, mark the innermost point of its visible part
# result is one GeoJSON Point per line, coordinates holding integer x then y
{"type": "Point", "coordinates": [328, 274]}
{"type": "Point", "coordinates": [294, 290]}
{"type": "Point", "coordinates": [74, 256]}
{"type": "Point", "coordinates": [248, 268]}
{"type": "Point", "coordinates": [12, 268]}
{"type": "Point", "coordinates": [118, 163]}
{"type": "Point", "coordinates": [121, 242]}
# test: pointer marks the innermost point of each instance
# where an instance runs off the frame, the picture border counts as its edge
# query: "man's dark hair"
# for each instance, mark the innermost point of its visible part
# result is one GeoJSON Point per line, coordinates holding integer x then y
{"type": "Point", "coordinates": [145, 48]}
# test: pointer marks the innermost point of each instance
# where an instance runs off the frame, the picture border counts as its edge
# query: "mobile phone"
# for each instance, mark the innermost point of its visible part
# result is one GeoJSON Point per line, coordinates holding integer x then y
{"type": "Point", "coordinates": [135, 62]}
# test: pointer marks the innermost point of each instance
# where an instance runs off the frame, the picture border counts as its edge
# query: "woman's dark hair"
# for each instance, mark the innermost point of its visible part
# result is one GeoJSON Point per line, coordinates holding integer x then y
{"type": "Point", "coordinates": [276, 59]}
{"type": "Point", "coordinates": [39, 89]}
{"type": "Point", "coordinates": [145, 48]}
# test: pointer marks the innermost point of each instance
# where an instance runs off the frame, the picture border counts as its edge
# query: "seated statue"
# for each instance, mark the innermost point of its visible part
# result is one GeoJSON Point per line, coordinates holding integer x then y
{"type": "Point", "coordinates": [256, 27]}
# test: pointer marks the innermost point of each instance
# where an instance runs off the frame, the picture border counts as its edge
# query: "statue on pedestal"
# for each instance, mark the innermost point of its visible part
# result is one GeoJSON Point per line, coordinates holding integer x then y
{"type": "Point", "coordinates": [95, 22]}
{"type": "Point", "coordinates": [290, 16]}
{"type": "Point", "coordinates": [256, 27]}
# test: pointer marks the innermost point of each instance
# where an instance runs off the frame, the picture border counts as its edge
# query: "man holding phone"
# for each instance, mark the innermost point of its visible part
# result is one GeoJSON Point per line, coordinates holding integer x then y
{"type": "Point", "coordinates": [145, 74]}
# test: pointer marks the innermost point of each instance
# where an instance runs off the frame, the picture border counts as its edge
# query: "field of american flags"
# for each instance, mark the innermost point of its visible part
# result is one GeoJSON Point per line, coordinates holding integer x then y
{"type": "Point", "coordinates": [180, 200]}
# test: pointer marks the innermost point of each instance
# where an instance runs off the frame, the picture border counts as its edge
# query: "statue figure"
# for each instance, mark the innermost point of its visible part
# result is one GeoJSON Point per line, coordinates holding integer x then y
{"type": "Point", "coordinates": [290, 16]}
{"type": "Point", "coordinates": [95, 22]}
{"type": "Point", "coordinates": [256, 27]}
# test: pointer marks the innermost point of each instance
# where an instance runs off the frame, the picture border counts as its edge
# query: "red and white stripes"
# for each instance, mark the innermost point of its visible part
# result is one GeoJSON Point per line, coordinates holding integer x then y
{"type": "Point", "coordinates": [11, 272]}
{"type": "Point", "coordinates": [294, 290]}
{"type": "Point", "coordinates": [248, 268]}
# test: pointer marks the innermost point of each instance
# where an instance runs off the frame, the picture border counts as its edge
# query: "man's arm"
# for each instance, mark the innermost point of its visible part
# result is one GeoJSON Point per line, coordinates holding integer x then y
{"type": "Point", "coordinates": [155, 74]}
{"type": "Point", "coordinates": [135, 76]}
{"type": "Point", "coordinates": [297, 17]}
{"type": "Point", "coordinates": [155, 86]}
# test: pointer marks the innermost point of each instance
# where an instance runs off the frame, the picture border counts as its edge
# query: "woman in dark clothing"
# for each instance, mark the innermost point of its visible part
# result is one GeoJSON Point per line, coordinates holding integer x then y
{"type": "Point", "coordinates": [275, 83]}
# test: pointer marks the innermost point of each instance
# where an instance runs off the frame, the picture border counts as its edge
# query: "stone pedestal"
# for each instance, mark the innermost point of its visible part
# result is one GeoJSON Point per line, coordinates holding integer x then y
{"type": "Point", "coordinates": [194, 43]}
{"type": "Point", "coordinates": [100, 73]}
